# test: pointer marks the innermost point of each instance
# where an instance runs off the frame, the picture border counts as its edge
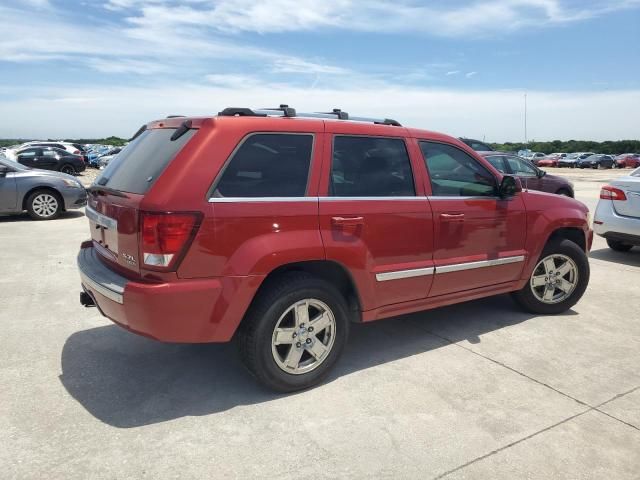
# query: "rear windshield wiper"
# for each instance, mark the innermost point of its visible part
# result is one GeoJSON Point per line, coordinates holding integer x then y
{"type": "Point", "coordinates": [110, 191]}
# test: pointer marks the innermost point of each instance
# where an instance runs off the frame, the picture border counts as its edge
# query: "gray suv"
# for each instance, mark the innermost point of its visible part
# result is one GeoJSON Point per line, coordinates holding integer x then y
{"type": "Point", "coordinates": [42, 193]}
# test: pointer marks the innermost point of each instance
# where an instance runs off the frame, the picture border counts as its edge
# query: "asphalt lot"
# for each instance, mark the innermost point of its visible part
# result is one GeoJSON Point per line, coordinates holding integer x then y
{"type": "Point", "coordinates": [477, 390]}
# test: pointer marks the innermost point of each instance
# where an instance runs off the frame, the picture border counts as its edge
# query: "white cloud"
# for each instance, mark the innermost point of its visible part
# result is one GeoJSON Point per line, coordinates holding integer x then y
{"type": "Point", "coordinates": [448, 19]}
{"type": "Point", "coordinates": [452, 72]}
{"type": "Point", "coordinates": [470, 74]}
{"type": "Point", "coordinates": [496, 115]}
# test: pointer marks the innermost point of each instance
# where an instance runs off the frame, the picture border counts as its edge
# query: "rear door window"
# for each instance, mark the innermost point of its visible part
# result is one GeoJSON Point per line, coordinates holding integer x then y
{"type": "Point", "coordinates": [370, 167]}
{"type": "Point", "coordinates": [267, 165]}
{"type": "Point", "coordinates": [140, 164]}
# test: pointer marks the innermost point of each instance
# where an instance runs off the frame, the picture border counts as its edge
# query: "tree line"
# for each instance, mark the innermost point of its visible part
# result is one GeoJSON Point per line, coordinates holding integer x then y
{"type": "Point", "coordinates": [561, 146]}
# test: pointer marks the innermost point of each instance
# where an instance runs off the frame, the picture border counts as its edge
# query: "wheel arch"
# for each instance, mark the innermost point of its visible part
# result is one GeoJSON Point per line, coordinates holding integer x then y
{"type": "Point", "coordinates": [575, 234]}
{"type": "Point", "coordinates": [32, 190]}
{"type": "Point", "coordinates": [330, 271]}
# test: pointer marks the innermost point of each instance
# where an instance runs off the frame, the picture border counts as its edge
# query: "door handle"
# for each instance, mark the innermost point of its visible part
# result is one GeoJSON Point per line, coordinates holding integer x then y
{"type": "Point", "coordinates": [347, 221]}
{"type": "Point", "coordinates": [452, 217]}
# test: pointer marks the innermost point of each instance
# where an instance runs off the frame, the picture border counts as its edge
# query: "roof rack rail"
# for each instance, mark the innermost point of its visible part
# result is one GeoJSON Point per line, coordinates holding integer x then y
{"type": "Point", "coordinates": [240, 112]}
{"type": "Point", "coordinates": [338, 113]}
{"type": "Point", "coordinates": [287, 111]}
{"type": "Point", "coordinates": [175, 116]}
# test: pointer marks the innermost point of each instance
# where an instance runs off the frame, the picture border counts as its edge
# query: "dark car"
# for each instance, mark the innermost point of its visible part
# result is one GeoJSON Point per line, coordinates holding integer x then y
{"type": "Point", "coordinates": [531, 176]}
{"type": "Point", "coordinates": [596, 161]}
{"type": "Point", "coordinates": [49, 158]}
{"type": "Point", "coordinates": [477, 145]}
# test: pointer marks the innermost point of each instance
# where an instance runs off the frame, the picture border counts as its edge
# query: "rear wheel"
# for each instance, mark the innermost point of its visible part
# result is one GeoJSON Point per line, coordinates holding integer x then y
{"type": "Point", "coordinates": [565, 192]}
{"type": "Point", "coordinates": [68, 169]}
{"type": "Point", "coordinates": [558, 280]}
{"type": "Point", "coordinates": [44, 205]}
{"type": "Point", "coordinates": [294, 332]}
{"type": "Point", "coordinates": [619, 246]}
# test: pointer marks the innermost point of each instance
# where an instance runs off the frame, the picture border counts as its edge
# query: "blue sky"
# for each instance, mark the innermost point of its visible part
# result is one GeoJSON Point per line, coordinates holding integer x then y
{"type": "Point", "coordinates": [95, 68]}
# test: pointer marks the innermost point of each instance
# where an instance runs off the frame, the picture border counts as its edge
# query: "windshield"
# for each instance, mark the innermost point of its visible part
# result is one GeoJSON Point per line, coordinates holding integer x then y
{"type": "Point", "coordinates": [635, 173]}
{"type": "Point", "coordinates": [11, 164]}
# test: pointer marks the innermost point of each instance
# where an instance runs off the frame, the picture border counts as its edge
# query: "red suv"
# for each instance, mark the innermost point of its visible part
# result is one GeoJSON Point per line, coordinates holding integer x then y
{"type": "Point", "coordinates": [281, 228]}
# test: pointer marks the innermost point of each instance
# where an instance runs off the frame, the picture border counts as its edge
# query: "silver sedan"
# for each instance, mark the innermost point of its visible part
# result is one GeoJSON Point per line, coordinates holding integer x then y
{"type": "Point", "coordinates": [617, 216]}
{"type": "Point", "coordinates": [42, 193]}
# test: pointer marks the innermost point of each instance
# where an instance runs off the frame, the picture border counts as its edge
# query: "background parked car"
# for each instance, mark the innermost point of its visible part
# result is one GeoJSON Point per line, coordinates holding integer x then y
{"type": "Point", "coordinates": [49, 158]}
{"type": "Point", "coordinates": [571, 159]}
{"type": "Point", "coordinates": [549, 161]}
{"type": "Point", "coordinates": [628, 160]}
{"type": "Point", "coordinates": [41, 193]}
{"type": "Point", "coordinates": [477, 145]}
{"type": "Point", "coordinates": [617, 216]}
{"type": "Point", "coordinates": [595, 161]}
{"type": "Point", "coordinates": [535, 156]}
{"type": "Point", "coordinates": [530, 176]}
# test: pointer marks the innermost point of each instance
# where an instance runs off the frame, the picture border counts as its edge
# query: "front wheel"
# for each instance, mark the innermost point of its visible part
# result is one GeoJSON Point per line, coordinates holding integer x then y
{"type": "Point", "coordinates": [294, 332]}
{"type": "Point", "coordinates": [44, 205]}
{"type": "Point", "coordinates": [558, 280]}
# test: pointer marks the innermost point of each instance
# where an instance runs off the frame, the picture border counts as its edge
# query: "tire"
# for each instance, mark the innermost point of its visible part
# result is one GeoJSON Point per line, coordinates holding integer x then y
{"type": "Point", "coordinates": [619, 246]}
{"type": "Point", "coordinates": [560, 300]}
{"type": "Point", "coordinates": [44, 205]}
{"type": "Point", "coordinates": [68, 169]}
{"type": "Point", "coordinates": [565, 192]}
{"type": "Point", "coordinates": [275, 308]}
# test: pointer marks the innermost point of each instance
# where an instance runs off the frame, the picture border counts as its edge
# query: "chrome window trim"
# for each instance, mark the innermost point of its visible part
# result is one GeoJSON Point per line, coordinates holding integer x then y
{"type": "Point", "coordinates": [261, 199]}
{"type": "Point", "coordinates": [100, 219]}
{"type": "Point", "coordinates": [414, 272]}
{"type": "Point", "coordinates": [457, 267]}
{"type": "Point", "coordinates": [306, 199]}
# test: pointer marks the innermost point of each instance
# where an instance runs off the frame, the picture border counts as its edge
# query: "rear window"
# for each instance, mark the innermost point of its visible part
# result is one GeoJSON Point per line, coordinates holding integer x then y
{"type": "Point", "coordinates": [140, 164]}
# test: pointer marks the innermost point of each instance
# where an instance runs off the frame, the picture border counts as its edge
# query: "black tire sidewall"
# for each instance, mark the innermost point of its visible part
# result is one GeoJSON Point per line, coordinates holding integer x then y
{"type": "Point", "coordinates": [266, 369]}
{"type": "Point", "coordinates": [563, 247]}
{"type": "Point", "coordinates": [619, 246]}
{"type": "Point", "coordinates": [68, 166]}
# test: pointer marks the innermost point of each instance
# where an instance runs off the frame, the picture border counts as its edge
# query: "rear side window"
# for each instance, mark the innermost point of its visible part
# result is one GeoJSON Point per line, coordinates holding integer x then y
{"type": "Point", "coordinates": [140, 164]}
{"type": "Point", "coordinates": [454, 173]}
{"type": "Point", "coordinates": [268, 165]}
{"type": "Point", "coordinates": [370, 167]}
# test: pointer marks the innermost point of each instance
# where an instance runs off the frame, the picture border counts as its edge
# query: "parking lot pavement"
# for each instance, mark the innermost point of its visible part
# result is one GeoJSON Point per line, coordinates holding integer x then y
{"type": "Point", "coordinates": [478, 390]}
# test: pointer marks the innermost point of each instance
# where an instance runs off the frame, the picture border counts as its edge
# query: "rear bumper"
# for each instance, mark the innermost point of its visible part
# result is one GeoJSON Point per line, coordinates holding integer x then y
{"type": "Point", "coordinates": [608, 224]}
{"type": "Point", "coordinates": [185, 311]}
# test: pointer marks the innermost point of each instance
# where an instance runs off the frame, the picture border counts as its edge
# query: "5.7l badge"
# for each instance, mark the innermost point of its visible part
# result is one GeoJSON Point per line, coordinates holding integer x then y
{"type": "Point", "coordinates": [130, 259]}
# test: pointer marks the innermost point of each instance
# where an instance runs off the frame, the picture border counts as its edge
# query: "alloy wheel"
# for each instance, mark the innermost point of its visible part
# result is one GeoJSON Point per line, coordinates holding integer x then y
{"type": "Point", "coordinates": [303, 336]}
{"type": "Point", "coordinates": [554, 279]}
{"type": "Point", "coordinates": [45, 205]}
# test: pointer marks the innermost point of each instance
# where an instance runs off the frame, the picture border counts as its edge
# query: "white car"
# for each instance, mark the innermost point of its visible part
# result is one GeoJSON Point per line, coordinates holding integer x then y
{"type": "Point", "coordinates": [69, 147]}
{"type": "Point", "coordinates": [617, 216]}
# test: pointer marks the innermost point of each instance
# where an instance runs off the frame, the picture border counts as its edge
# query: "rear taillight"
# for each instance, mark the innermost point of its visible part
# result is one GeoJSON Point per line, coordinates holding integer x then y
{"type": "Point", "coordinates": [165, 237]}
{"type": "Point", "coordinates": [76, 152]}
{"type": "Point", "coordinates": [612, 193]}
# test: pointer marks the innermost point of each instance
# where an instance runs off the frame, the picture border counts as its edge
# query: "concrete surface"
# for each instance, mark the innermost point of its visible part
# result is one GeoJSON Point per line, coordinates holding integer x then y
{"type": "Point", "coordinates": [477, 390]}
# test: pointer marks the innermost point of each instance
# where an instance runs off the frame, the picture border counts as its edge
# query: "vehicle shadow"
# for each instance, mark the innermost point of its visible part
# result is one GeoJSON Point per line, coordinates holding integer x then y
{"type": "Point", "coordinates": [631, 258]}
{"type": "Point", "coordinates": [24, 217]}
{"type": "Point", "coordinates": [128, 381]}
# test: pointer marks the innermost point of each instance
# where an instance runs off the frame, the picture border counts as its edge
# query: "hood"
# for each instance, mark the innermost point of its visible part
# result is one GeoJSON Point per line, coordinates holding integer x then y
{"type": "Point", "coordinates": [35, 172]}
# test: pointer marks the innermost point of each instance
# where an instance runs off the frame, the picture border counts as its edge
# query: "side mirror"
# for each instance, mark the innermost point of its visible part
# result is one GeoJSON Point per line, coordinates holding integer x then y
{"type": "Point", "coordinates": [4, 170]}
{"type": "Point", "coordinates": [541, 173]}
{"type": "Point", "coordinates": [509, 186]}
